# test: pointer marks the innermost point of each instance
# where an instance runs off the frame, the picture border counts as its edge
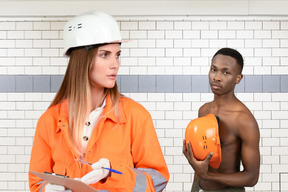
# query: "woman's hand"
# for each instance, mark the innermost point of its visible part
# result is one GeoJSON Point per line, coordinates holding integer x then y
{"type": "Point", "coordinates": [98, 172]}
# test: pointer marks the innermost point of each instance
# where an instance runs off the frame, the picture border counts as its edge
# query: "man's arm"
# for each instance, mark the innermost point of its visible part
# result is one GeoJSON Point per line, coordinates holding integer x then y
{"type": "Point", "coordinates": [249, 134]}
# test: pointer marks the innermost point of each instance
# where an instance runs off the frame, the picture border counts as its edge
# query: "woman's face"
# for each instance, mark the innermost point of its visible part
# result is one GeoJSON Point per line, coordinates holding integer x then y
{"type": "Point", "coordinates": [105, 66]}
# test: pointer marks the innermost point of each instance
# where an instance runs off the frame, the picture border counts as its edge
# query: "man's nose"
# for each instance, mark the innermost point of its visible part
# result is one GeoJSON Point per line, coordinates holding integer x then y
{"type": "Point", "coordinates": [217, 76]}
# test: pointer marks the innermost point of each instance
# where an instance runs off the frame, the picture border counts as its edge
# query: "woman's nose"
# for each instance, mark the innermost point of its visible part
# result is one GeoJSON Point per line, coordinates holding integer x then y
{"type": "Point", "coordinates": [114, 64]}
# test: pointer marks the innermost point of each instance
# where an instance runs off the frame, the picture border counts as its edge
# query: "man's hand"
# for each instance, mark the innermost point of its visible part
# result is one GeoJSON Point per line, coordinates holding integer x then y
{"type": "Point", "coordinates": [200, 167]}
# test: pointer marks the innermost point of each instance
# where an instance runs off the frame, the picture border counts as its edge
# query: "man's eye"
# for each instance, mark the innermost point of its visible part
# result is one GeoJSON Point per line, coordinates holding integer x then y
{"type": "Point", "coordinates": [226, 73]}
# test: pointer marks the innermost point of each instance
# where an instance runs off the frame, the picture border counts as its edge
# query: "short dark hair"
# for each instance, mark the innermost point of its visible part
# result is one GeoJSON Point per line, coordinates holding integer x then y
{"type": "Point", "coordinates": [232, 53]}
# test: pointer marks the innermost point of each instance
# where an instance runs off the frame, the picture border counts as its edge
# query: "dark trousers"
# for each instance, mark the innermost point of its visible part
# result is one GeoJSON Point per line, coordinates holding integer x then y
{"type": "Point", "coordinates": [197, 188]}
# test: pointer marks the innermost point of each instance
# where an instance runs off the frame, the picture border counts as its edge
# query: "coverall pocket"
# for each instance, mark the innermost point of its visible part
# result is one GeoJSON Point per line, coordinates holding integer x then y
{"type": "Point", "coordinates": [60, 168]}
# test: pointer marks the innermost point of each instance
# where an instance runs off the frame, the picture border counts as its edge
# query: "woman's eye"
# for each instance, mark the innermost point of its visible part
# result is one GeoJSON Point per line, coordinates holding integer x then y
{"type": "Point", "coordinates": [103, 55]}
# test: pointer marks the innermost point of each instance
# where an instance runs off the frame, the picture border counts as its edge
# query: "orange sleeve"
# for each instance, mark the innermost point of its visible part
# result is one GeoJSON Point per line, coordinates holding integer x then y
{"type": "Point", "coordinates": [148, 156]}
{"type": "Point", "coordinates": [40, 160]}
{"type": "Point", "coordinates": [150, 172]}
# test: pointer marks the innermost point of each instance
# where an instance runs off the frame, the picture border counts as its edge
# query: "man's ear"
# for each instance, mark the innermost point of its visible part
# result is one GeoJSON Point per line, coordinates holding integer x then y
{"type": "Point", "coordinates": [238, 79]}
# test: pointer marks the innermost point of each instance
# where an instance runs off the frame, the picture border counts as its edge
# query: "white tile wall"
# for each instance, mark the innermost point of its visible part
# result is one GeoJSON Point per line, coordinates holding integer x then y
{"type": "Point", "coordinates": [177, 46]}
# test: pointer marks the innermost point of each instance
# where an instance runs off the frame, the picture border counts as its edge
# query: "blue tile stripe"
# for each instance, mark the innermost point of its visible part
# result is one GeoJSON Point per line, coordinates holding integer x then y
{"type": "Point", "coordinates": [147, 83]}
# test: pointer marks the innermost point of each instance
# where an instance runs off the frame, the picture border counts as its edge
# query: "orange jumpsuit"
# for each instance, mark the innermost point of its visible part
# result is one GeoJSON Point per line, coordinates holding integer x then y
{"type": "Point", "coordinates": [130, 144]}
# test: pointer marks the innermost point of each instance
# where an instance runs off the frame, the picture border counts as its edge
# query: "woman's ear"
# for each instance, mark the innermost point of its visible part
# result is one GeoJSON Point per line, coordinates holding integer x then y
{"type": "Point", "coordinates": [238, 79]}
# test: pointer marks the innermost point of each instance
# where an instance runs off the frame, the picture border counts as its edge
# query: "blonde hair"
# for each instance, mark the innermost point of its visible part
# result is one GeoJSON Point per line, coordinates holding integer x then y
{"type": "Point", "coordinates": [75, 88]}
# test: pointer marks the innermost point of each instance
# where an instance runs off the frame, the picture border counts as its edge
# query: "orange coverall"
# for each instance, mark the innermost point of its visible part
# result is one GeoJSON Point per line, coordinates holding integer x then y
{"type": "Point", "coordinates": [130, 144]}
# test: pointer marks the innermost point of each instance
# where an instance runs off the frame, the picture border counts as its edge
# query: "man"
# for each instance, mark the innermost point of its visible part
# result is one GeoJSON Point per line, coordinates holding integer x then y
{"type": "Point", "coordinates": [238, 130]}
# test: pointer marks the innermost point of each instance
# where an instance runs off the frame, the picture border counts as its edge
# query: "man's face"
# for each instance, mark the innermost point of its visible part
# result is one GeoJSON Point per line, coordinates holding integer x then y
{"type": "Point", "coordinates": [224, 74]}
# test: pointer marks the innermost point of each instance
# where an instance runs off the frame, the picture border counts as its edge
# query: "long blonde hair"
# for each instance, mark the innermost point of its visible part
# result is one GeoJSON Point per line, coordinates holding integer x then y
{"type": "Point", "coordinates": [75, 88]}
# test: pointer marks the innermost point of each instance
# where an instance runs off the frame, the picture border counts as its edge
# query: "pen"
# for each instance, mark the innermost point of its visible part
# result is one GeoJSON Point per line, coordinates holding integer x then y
{"type": "Point", "coordinates": [112, 170]}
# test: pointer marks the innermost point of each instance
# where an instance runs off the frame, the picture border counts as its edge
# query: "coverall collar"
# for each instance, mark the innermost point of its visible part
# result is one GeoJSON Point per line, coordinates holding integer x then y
{"type": "Point", "coordinates": [108, 112]}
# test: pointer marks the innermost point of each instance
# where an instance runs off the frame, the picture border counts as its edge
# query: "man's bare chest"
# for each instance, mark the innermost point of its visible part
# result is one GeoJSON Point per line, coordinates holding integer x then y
{"type": "Point", "coordinates": [228, 131]}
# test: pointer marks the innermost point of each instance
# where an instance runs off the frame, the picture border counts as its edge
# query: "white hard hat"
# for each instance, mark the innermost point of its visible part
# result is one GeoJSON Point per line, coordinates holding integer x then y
{"type": "Point", "coordinates": [89, 29]}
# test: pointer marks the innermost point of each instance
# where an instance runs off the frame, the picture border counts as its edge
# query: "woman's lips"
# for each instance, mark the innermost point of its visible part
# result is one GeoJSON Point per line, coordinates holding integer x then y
{"type": "Point", "coordinates": [112, 76]}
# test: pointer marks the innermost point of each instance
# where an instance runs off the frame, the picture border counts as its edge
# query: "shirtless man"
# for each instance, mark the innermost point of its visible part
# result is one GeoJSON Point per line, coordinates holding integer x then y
{"type": "Point", "coordinates": [238, 130]}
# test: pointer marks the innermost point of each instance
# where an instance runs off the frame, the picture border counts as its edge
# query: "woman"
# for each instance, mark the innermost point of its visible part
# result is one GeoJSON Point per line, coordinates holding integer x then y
{"type": "Point", "coordinates": [90, 120]}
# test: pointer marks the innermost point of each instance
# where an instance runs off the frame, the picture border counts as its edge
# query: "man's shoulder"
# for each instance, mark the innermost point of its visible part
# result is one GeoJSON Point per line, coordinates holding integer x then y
{"type": "Point", "coordinates": [245, 116]}
{"type": "Point", "coordinates": [244, 112]}
{"type": "Point", "coordinates": [204, 109]}
{"type": "Point", "coordinates": [205, 105]}
{"type": "Point", "coordinates": [245, 119]}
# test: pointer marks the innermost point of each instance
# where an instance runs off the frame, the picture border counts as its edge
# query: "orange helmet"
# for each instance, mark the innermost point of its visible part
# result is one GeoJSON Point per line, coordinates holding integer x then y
{"type": "Point", "coordinates": [203, 134]}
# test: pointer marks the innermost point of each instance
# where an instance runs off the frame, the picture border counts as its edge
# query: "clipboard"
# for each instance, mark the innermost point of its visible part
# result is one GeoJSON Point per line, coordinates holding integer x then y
{"type": "Point", "coordinates": [74, 185]}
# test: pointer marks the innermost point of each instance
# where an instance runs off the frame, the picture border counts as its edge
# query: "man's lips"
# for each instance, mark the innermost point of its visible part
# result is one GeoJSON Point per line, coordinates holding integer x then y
{"type": "Point", "coordinates": [216, 86]}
